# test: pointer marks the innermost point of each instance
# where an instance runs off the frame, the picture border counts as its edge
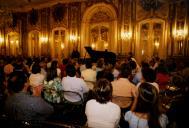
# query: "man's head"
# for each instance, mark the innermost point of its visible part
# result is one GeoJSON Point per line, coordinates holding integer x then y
{"type": "Point", "coordinates": [70, 70]}
{"type": "Point", "coordinates": [17, 81]}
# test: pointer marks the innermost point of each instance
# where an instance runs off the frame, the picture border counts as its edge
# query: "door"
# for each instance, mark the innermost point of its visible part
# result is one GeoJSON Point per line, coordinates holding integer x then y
{"type": "Point", "coordinates": [151, 40]}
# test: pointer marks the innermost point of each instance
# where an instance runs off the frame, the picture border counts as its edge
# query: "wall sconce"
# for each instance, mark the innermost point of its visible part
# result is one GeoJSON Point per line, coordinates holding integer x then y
{"type": "Point", "coordinates": [106, 45]}
{"type": "Point", "coordinates": [156, 43]}
{"type": "Point", "coordinates": [180, 35]}
{"type": "Point", "coordinates": [93, 46]}
{"type": "Point", "coordinates": [62, 45]}
{"type": "Point", "coordinates": [44, 39]}
{"type": "Point", "coordinates": [142, 52]}
{"type": "Point", "coordinates": [17, 42]}
{"type": "Point", "coordinates": [1, 40]}
{"type": "Point", "coordinates": [73, 38]}
{"type": "Point", "coordinates": [11, 41]}
{"type": "Point", "coordinates": [126, 35]}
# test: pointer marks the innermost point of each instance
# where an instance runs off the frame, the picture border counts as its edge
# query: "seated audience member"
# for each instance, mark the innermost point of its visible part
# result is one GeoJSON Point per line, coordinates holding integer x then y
{"type": "Point", "coordinates": [8, 68]}
{"type": "Point", "coordinates": [115, 73]}
{"type": "Point", "coordinates": [133, 66]}
{"type": "Point", "coordinates": [162, 76]}
{"type": "Point", "coordinates": [72, 83]}
{"type": "Point", "coordinates": [123, 89]}
{"type": "Point", "coordinates": [149, 75]}
{"type": "Point", "coordinates": [122, 86]}
{"type": "Point", "coordinates": [106, 73]}
{"type": "Point", "coordinates": [179, 108]}
{"type": "Point", "coordinates": [62, 67]}
{"type": "Point", "coordinates": [138, 76]}
{"type": "Point", "coordinates": [43, 66]}
{"type": "Point", "coordinates": [157, 61]}
{"type": "Point", "coordinates": [75, 53]}
{"type": "Point", "coordinates": [36, 78]}
{"type": "Point", "coordinates": [77, 68]}
{"type": "Point", "coordinates": [54, 65]}
{"type": "Point", "coordinates": [145, 112]}
{"type": "Point", "coordinates": [101, 112]}
{"type": "Point", "coordinates": [52, 86]}
{"type": "Point", "coordinates": [100, 65]}
{"type": "Point", "coordinates": [23, 106]}
{"type": "Point", "coordinates": [130, 57]}
{"type": "Point", "coordinates": [89, 75]}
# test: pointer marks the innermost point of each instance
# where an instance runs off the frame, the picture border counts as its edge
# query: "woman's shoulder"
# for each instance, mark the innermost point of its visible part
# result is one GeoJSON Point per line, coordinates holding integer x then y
{"type": "Point", "coordinates": [135, 115]}
{"type": "Point", "coordinates": [92, 102]}
{"type": "Point", "coordinates": [128, 113]}
{"type": "Point", "coordinates": [114, 105]}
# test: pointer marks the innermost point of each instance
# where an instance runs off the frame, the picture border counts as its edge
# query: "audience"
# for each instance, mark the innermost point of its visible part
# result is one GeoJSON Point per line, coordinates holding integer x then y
{"type": "Point", "coordinates": [101, 112]}
{"type": "Point", "coordinates": [19, 104]}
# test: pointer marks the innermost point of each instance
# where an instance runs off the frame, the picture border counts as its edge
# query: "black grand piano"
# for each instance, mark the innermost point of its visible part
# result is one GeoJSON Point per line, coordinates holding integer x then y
{"type": "Point", "coordinates": [109, 57]}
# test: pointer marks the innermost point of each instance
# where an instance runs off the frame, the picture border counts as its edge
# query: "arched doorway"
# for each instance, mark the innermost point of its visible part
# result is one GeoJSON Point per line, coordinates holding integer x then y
{"type": "Point", "coordinates": [150, 39]}
{"type": "Point", "coordinates": [59, 45]}
{"type": "Point", "coordinates": [99, 28]}
{"type": "Point", "coordinates": [33, 43]}
{"type": "Point", "coordinates": [13, 44]}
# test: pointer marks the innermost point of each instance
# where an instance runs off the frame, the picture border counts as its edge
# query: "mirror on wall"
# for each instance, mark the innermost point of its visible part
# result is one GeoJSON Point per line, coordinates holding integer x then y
{"type": "Point", "coordinates": [99, 38]}
{"type": "Point", "coordinates": [33, 45]}
{"type": "Point", "coordinates": [151, 39]}
{"type": "Point", "coordinates": [13, 44]}
{"type": "Point", "coordinates": [59, 43]}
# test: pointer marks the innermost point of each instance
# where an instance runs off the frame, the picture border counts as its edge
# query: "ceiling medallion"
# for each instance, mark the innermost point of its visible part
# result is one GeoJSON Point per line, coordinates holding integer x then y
{"type": "Point", "coordinates": [150, 4]}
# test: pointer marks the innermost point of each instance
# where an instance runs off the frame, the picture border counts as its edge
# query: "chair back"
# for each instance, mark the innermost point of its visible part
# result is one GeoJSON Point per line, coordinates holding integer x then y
{"type": "Point", "coordinates": [90, 84]}
{"type": "Point", "coordinates": [73, 94]}
{"type": "Point", "coordinates": [122, 101]}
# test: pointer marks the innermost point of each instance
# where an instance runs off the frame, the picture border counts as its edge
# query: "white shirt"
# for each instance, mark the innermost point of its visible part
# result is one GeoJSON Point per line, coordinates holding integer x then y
{"type": "Point", "coordinates": [102, 115]}
{"type": "Point", "coordinates": [76, 85]}
{"type": "Point", "coordinates": [82, 67]}
{"type": "Point", "coordinates": [89, 76]}
{"type": "Point", "coordinates": [36, 79]}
